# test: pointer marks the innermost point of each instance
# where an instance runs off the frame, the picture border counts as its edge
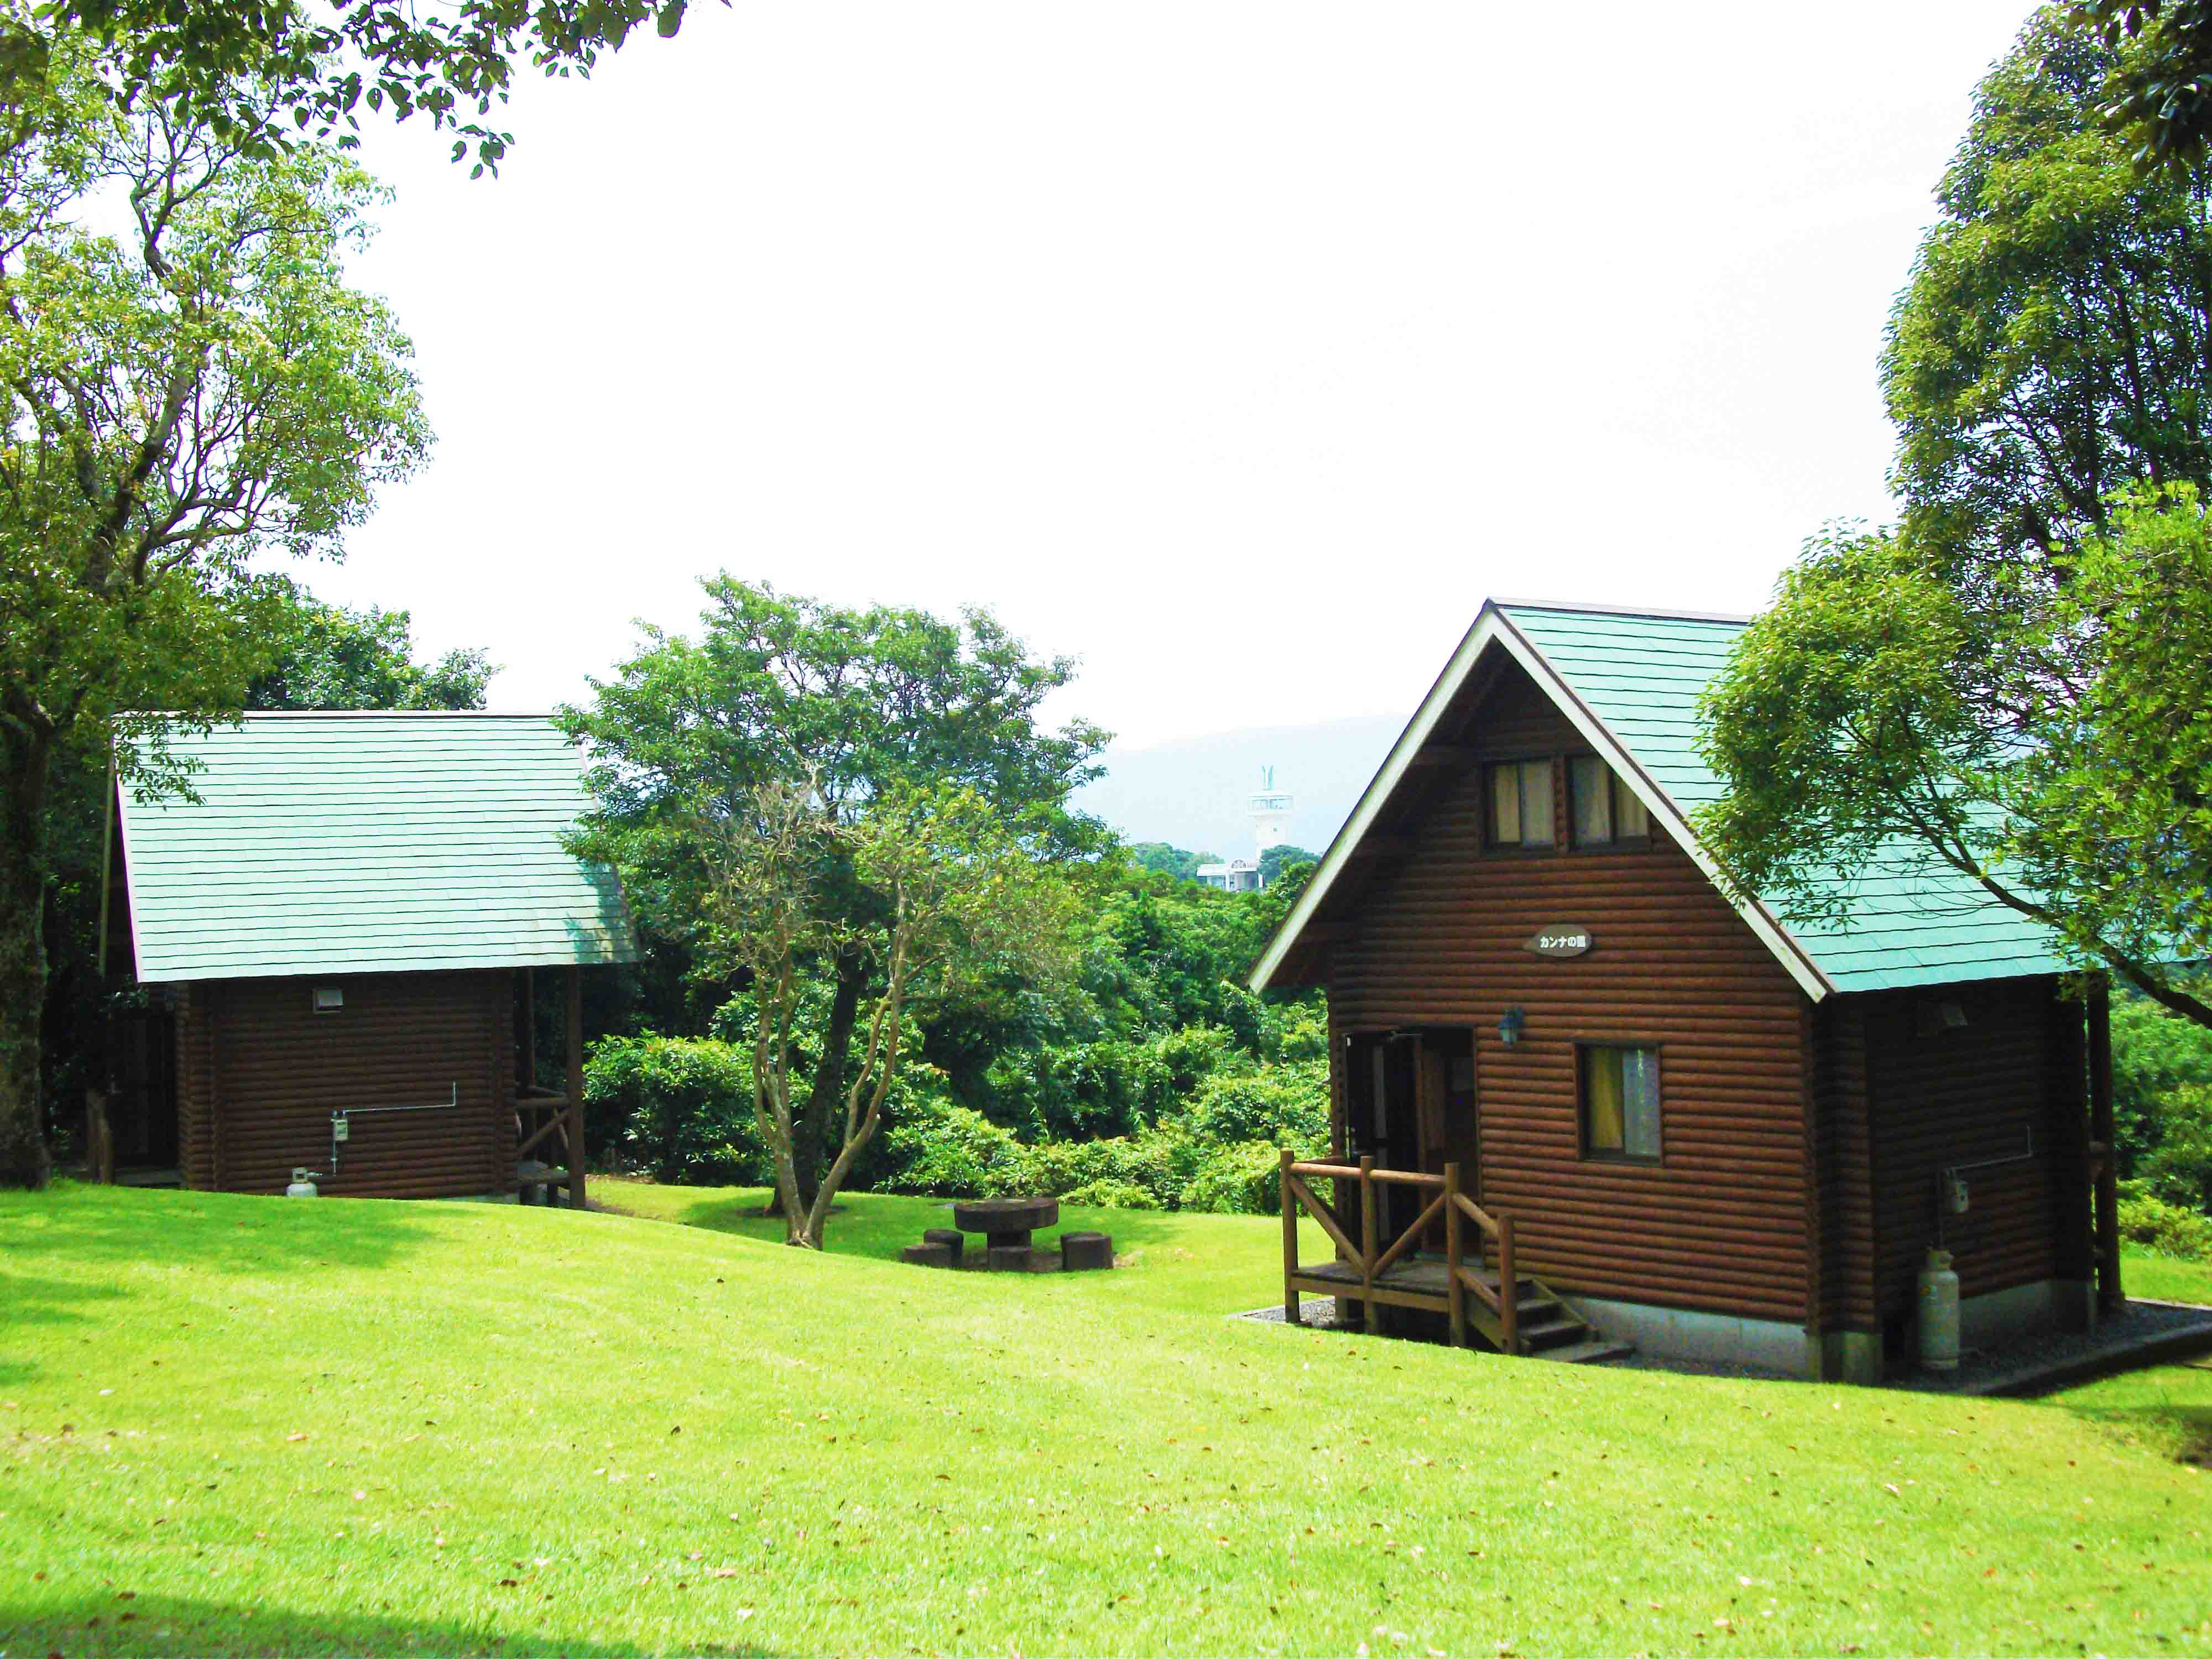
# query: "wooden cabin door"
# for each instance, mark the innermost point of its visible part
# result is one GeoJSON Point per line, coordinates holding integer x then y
{"type": "Point", "coordinates": [1413, 1107]}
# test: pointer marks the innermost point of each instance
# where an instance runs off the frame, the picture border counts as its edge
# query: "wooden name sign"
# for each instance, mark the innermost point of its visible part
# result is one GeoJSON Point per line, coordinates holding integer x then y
{"type": "Point", "coordinates": [1561, 939]}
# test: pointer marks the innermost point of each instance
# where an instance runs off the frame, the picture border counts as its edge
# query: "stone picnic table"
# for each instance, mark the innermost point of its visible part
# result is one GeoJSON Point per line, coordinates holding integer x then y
{"type": "Point", "coordinates": [1006, 1222]}
{"type": "Point", "coordinates": [1008, 1225]}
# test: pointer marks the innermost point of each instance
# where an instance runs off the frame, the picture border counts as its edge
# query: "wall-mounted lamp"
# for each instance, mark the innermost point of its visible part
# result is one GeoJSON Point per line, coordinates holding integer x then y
{"type": "Point", "coordinates": [1510, 1026]}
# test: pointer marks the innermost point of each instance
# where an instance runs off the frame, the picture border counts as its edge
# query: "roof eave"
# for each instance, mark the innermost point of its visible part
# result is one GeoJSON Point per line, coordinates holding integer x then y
{"type": "Point", "coordinates": [1492, 625]}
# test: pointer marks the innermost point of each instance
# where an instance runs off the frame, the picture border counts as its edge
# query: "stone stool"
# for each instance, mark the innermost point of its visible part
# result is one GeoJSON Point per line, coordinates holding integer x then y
{"type": "Point", "coordinates": [927, 1255]}
{"type": "Point", "coordinates": [1085, 1252]}
{"type": "Point", "coordinates": [947, 1236]}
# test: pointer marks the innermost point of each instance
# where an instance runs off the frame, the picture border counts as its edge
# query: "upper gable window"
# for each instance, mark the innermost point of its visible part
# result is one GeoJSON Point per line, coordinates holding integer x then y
{"type": "Point", "coordinates": [1606, 812]}
{"type": "Point", "coordinates": [1521, 805]}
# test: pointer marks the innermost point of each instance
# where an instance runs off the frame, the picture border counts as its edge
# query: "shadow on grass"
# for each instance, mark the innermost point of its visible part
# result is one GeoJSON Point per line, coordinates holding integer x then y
{"type": "Point", "coordinates": [25, 1300]}
{"type": "Point", "coordinates": [218, 1232]}
{"type": "Point", "coordinates": [2184, 1430]}
{"type": "Point", "coordinates": [158, 1624]}
{"type": "Point", "coordinates": [879, 1223]}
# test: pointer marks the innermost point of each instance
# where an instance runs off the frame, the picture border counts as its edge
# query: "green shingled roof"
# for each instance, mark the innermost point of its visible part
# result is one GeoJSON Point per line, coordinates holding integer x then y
{"type": "Point", "coordinates": [1913, 920]}
{"type": "Point", "coordinates": [367, 843]}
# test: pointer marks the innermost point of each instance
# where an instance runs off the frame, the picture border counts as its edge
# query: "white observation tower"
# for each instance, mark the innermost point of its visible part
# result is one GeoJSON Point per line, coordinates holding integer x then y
{"type": "Point", "coordinates": [1270, 811]}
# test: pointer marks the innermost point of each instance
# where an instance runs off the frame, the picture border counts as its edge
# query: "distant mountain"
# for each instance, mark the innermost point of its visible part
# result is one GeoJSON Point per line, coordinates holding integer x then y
{"type": "Point", "coordinates": [1192, 792]}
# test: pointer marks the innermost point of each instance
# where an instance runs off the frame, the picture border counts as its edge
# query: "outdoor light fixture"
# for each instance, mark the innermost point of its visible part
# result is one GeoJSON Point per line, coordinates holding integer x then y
{"type": "Point", "coordinates": [1509, 1026]}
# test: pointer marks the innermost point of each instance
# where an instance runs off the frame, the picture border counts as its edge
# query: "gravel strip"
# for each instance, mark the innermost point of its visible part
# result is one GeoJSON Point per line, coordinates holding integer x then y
{"type": "Point", "coordinates": [2140, 1334]}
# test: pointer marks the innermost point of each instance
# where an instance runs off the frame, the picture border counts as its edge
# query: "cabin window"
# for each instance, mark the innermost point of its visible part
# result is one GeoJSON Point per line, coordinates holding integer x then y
{"type": "Point", "coordinates": [1606, 810]}
{"type": "Point", "coordinates": [1521, 804]}
{"type": "Point", "coordinates": [1621, 1102]}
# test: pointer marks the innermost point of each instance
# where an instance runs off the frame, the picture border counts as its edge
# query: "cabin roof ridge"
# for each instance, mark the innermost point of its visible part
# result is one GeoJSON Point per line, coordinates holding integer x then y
{"type": "Point", "coordinates": [1597, 607]}
{"type": "Point", "coordinates": [1631, 682]}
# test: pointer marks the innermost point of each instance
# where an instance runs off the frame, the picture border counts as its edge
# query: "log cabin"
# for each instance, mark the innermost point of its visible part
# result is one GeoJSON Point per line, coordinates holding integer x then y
{"type": "Point", "coordinates": [1587, 1099]}
{"type": "Point", "coordinates": [340, 953]}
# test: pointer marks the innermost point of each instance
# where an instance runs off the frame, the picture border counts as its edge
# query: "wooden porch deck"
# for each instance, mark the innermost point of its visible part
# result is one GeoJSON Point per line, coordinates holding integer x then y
{"type": "Point", "coordinates": [1460, 1284]}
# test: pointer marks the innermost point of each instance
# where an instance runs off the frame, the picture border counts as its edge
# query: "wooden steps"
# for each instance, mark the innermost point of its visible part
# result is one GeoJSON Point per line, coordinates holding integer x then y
{"type": "Point", "coordinates": [1548, 1326]}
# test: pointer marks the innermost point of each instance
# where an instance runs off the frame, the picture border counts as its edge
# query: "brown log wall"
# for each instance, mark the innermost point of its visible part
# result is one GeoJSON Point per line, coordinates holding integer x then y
{"type": "Point", "coordinates": [1843, 1137]}
{"type": "Point", "coordinates": [260, 1072]}
{"type": "Point", "coordinates": [196, 1162]}
{"type": "Point", "coordinates": [1720, 1224]}
{"type": "Point", "coordinates": [1948, 1098]}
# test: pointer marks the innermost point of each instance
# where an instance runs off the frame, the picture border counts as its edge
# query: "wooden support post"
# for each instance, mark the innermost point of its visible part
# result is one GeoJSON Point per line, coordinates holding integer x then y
{"type": "Point", "coordinates": [1508, 1288]}
{"type": "Point", "coordinates": [1290, 1242]}
{"type": "Point", "coordinates": [100, 1139]}
{"type": "Point", "coordinates": [2109, 1296]}
{"type": "Point", "coordinates": [526, 1062]}
{"type": "Point", "coordinates": [1452, 1256]}
{"type": "Point", "coordinates": [1368, 1250]}
{"type": "Point", "coordinates": [575, 1129]}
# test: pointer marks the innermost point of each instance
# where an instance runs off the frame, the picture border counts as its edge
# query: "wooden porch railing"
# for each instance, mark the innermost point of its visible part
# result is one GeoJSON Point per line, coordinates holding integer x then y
{"type": "Point", "coordinates": [1373, 1259]}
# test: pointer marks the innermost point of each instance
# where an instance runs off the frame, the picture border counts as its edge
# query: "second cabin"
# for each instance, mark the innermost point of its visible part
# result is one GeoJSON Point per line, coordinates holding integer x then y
{"type": "Point", "coordinates": [1709, 1134]}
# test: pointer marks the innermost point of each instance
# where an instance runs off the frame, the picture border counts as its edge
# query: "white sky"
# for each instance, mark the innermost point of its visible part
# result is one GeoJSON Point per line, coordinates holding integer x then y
{"type": "Point", "coordinates": [1238, 349]}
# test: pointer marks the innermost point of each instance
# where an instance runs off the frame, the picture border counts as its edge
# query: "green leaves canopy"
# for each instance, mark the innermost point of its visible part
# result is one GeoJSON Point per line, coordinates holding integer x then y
{"type": "Point", "coordinates": [862, 701]}
{"type": "Point", "coordinates": [249, 71]}
{"type": "Point", "coordinates": [2055, 748]}
{"type": "Point", "coordinates": [187, 383]}
{"type": "Point", "coordinates": [2054, 343]}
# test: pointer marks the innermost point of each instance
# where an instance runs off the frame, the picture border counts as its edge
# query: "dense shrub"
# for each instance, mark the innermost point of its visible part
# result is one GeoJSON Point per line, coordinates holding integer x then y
{"type": "Point", "coordinates": [1113, 1195]}
{"type": "Point", "coordinates": [2169, 1228]}
{"type": "Point", "coordinates": [1245, 1179]}
{"type": "Point", "coordinates": [946, 1150]}
{"type": "Point", "coordinates": [1285, 1105]}
{"type": "Point", "coordinates": [2162, 1102]}
{"type": "Point", "coordinates": [679, 1107]}
{"type": "Point", "coordinates": [2178, 1168]}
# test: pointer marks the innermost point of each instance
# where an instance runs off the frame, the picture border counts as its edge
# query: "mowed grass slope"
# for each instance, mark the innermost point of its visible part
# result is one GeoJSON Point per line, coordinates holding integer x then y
{"type": "Point", "coordinates": [240, 1425]}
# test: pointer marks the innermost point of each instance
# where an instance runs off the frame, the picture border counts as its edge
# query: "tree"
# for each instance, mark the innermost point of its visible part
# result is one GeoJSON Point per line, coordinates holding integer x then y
{"type": "Point", "coordinates": [199, 391]}
{"type": "Point", "coordinates": [2054, 343]}
{"type": "Point", "coordinates": [1282, 858]}
{"type": "Point", "coordinates": [2160, 97]}
{"type": "Point", "coordinates": [242, 72]}
{"type": "Point", "coordinates": [327, 656]}
{"type": "Point", "coordinates": [958, 900]}
{"type": "Point", "coordinates": [2055, 750]}
{"type": "Point", "coordinates": [2005, 682]}
{"type": "Point", "coordinates": [866, 705]}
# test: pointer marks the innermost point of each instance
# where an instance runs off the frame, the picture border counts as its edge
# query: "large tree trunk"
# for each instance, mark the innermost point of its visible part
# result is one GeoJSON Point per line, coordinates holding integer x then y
{"type": "Point", "coordinates": [826, 1098]}
{"type": "Point", "coordinates": [23, 1158]}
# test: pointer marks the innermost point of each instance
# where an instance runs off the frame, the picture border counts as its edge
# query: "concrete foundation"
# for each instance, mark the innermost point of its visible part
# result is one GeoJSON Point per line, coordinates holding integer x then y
{"type": "Point", "coordinates": [1766, 1345]}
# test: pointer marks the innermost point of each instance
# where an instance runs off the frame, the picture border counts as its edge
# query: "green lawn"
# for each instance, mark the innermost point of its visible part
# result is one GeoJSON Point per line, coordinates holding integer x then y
{"type": "Point", "coordinates": [2161, 1278]}
{"type": "Point", "coordinates": [243, 1424]}
{"type": "Point", "coordinates": [1207, 1264]}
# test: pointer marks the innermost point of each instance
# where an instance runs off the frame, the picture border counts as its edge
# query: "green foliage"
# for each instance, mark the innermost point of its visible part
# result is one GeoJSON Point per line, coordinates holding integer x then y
{"type": "Point", "coordinates": [679, 1107]}
{"type": "Point", "coordinates": [1281, 859]}
{"type": "Point", "coordinates": [326, 656]}
{"type": "Point", "coordinates": [2014, 681]}
{"type": "Point", "coordinates": [2155, 1058]}
{"type": "Point", "coordinates": [1164, 859]}
{"type": "Point", "coordinates": [1244, 1178]}
{"type": "Point", "coordinates": [254, 73]}
{"type": "Point", "coordinates": [2178, 1168]}
{"type": "Point", "coordinates": [2051, 347]}
{"type": "Point", "coordinates": [182, 397]}
{"type": "Point", "coordinates": [2169, 1229]}
{"type": "Point", "coordinates": [809, 796]}
{"type": "Point", "coordinates": [2052, 747]}
{"type": "Point", "coordinates": [777, 689]}
{"type": "Point", "coordinates": [1109, 1194]}
{"type": "Point", "coordinates": [2159, 96]}
{"type": "Point", "coordinates": [947, 1151]}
